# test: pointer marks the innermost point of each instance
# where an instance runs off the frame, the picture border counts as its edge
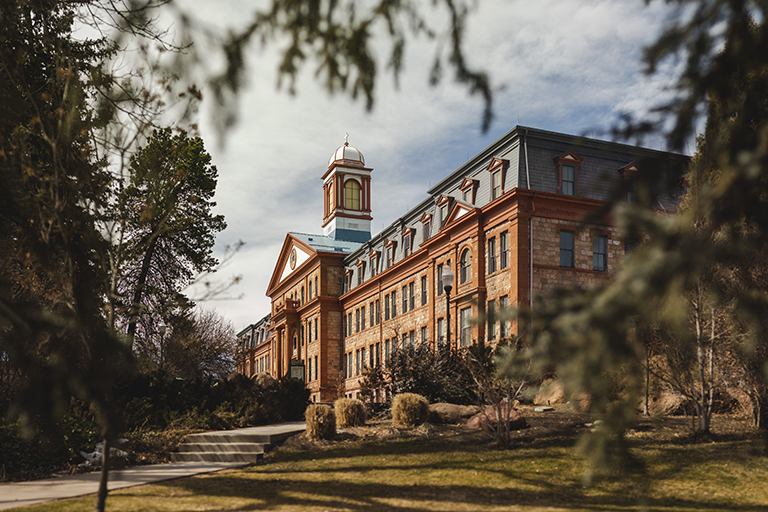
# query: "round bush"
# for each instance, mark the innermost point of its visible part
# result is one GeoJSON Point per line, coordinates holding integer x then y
{"type": "Point", "coordinates": [409, 410]}
{"type": "Point", "coordinates": [321, 422]}
{"type": "Point", "coordinates": [349, 412]}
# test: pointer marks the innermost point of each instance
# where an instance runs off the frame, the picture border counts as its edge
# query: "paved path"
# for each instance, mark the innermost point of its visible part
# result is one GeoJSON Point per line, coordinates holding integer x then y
{"type": "Point", "coordinates": [39, 491]}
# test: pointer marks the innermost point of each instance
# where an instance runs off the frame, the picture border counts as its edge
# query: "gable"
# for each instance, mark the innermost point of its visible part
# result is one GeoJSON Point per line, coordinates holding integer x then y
{"type": "Point", "coordinates": [293, 255]}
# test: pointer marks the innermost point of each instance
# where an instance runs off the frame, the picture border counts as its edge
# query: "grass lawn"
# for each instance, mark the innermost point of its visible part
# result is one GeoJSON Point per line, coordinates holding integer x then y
{"type": "Point", "coordinates": [451, 469]}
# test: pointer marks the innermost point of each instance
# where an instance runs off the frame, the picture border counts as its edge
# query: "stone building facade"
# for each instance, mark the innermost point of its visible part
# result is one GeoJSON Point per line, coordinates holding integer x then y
{"type": "Point", "coordinates": [521, 217]}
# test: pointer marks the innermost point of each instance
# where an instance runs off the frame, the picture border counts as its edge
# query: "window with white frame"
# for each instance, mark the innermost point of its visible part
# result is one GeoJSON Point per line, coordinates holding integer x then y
{"type": "Point", "coordinates": [466, 266]}
{"type": "Point", "coordinates": [465, 318]}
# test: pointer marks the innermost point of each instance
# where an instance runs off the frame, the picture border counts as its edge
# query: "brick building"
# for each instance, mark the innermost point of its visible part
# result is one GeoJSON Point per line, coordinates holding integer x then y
{"type": "Point", "coordinates": [509, 223]}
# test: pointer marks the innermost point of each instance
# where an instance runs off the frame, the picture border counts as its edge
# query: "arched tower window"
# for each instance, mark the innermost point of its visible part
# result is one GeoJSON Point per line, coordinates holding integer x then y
{"type": "Point", "coordinates": [352, 195]}
{"type": "Point", "coordinates": [466, 266]}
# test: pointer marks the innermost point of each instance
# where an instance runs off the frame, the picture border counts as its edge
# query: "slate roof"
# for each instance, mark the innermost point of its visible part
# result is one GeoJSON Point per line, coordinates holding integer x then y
{"type": "Point", "coordinates": [324, 243]}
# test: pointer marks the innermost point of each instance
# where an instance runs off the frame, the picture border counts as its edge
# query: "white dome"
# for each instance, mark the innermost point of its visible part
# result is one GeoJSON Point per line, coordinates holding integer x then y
{"type": "Point", "coordinates": [347, 155]}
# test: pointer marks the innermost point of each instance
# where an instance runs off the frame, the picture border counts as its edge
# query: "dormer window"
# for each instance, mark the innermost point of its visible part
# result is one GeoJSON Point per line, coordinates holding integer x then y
{"type": "Point", "coordinates": [568, 174]}
{"type": "Point", "coordinates": [569, 179]}
{"type": "Point", "coordinates": [347, 280]}
{"type": "Point", "coordinates": [426, 224]}
{"type": "Point", "coordinates": [374, 259]}
{"type": "Point", "coordinates": [407, 242]}
{"type": "Point", "coordinates": [389, 247]}
{"type": "Point", "coordinates": [497, 168]}
{"type": "Point", "coordinates": [628, 173]}
{"type": "Point", "coordinates": [443, 208]}
{"type": "Point", "coordinates": [360, 272]}
{"type": "Point", "coordinates": [468, 188]}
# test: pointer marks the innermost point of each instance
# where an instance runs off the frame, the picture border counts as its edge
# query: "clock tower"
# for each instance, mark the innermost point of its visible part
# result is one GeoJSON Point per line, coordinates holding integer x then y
{"type": "Point", "coordinates": [347, 196]}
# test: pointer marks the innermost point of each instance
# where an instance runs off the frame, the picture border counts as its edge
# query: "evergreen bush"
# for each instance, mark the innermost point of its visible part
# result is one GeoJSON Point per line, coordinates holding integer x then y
{"type": "Point", "coordinates": [321, 422]}
{"type": "Point", "coordinates": [349, 412]}
{"type": "Point", "coordinates": [409, 410]}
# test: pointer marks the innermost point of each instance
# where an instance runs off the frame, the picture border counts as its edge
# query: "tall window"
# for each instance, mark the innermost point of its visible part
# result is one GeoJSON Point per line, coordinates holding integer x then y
{"type": "Point", "coordinates": [424, 334]}
{"type": "Point", "coordinates": [491, 255]}
{"type": "Point", "coordinates": [389, 251]}
{"type": "Point", "coordinates": [352, 195]}
{"type": "Point", "coordinates": [491, 313]}
{"type": "Point", "coordinates": [495, 184]}
{"type": "Point", "coordinates": [357, 320]}
{"type": "Point", "coordinates": [412, 296]}
{"type": "Point", "coordinates": [405, 299]}
{"type": "Point", "coordinates": [362, 318]}
{"type": "Point", "coordinates": [440, 289]}
{"type": "Point", "coordinates": [310, 289]}
{"type": "Point", "coordinates": [386, 307]}
{"type": "Point", "coordinates": [386, 351]}
{"type": "Point", "coordinates": [394, 303]}
{"type": "Point", "coordinates": [443, 214]}
{"type": "Point", "coordinates": [504, 249]}
{"type": "Point", "coordinates": [378, 312]}
{"type": "Point", "coordinates": [316, 368]}
{"type": "Point", "coordinates": [466, 327]}
{"type": "Point", "coordinates": [412, 338]}
{"type": "Point", "coordinates": [331, 200]}
{"type": "Point", "coordinates": [406, 245]}
{"type": "Point", "coordinates": [569, 179]}
{"type": "Point", "coordinates": [440, 323]}
{"type": "Point", "coordinates": [317, 290]}
{"type": "Point", "coordinates": [349, 323]}
{"type": "Point", "coordinates": [427, 230]}
{"type": "Point", "coordinates": [423, 290]}
{"type": "Point", "coordinates": [599, 253]}
{"type": "Point", "coordinates": [359, 276]}
{"type": "Point", "coordinates": [504, 303]}
{"type": "Point", "coordinates": [566, 249]}
{"type": "Point", "coordinates": [629, 180]}
{"type": "Point", "coordinates": [466, 266]}
{"type": "Point", "coordinates": [317, 334]}
{"type": "Point", "coordinates": [467, 195]}
{"type": "Point", "coordinates": [373, 319]}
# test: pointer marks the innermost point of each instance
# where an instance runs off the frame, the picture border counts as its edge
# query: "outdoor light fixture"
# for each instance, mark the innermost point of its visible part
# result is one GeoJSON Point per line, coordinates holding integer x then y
{"type": "Point", "coordinates": [448, 277]}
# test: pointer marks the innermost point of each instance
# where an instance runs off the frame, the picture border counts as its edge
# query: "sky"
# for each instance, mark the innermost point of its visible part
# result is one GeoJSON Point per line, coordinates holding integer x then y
{"type": "Point", "coordinates": [570, 66]}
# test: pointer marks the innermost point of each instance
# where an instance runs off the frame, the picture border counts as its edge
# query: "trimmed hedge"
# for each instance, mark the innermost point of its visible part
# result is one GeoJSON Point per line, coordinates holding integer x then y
{"type": "Point", "coordinates": [409, 410]}
{"type": "Point", "coordinates": [321, 422]}
{"type": "Point", "coordinates": [349, 412]}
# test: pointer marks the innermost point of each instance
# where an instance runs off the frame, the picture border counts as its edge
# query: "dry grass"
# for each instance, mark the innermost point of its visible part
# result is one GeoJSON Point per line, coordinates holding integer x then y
{"type": "Point", "coordinates": [448, 468]}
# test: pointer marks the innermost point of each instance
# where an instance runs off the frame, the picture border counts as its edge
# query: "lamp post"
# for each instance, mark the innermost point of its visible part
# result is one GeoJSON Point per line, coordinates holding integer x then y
{"type": "Point", "coordinates": [161, 329]}
{"type": "Point", "coordinates": [448, 277]}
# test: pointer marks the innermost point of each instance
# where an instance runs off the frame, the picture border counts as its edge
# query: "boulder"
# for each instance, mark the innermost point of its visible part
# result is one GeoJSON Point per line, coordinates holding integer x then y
{"type": "Point", "coordinates": [487, 419]}
{"type": "Point", "coordinates": [550, 392]}
{"type": "Point", "coordinates": [451, 413]}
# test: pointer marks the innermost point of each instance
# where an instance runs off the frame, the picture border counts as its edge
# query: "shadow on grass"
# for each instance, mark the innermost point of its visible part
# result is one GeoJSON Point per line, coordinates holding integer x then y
{"type": "Point", "coordinates": [323, 495]}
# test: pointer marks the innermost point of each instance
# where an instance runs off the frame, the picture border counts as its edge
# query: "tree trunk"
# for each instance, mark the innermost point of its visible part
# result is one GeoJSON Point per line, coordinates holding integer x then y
{"type": "Point", "coordinates": [138, 293]}
{"type": "Point", "coordinates": [101, 500]}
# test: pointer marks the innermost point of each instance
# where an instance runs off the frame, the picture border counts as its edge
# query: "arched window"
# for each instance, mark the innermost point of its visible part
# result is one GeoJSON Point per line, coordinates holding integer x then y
{"type": "Point", "coordinates": [466, 266]}
{"type": "Point", "coordinates": [352, 195]}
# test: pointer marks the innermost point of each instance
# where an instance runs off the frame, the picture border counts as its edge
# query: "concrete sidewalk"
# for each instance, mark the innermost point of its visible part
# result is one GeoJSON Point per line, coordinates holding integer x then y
{"type": "Point", "coordinates": [39, 491]}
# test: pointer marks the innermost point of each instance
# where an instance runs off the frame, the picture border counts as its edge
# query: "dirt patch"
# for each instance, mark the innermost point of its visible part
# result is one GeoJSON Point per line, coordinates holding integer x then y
{"type": "Point", "coordinates": [562, 423]}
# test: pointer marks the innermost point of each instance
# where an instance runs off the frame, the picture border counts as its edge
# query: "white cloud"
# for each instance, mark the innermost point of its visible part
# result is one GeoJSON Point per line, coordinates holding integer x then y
{"type": "Point", "coordinates": [560, 65]}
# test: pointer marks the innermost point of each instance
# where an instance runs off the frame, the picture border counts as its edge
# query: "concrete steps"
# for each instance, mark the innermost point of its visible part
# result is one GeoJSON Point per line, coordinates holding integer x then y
{"type": "Point", "coordinates": [245, 445]}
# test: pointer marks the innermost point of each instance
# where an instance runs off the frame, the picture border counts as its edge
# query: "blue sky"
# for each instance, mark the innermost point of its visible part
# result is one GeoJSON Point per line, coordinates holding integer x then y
{"type": "Point", "coordinates": [563, 65]}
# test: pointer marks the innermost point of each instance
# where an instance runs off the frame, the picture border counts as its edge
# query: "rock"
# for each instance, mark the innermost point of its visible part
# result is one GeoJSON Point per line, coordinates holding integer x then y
{"type": "Point", "coordinates": [550, 392]}
{"type": "Point", "coordinates": [451, 413]}
{"type": "Point", "coordinates": [487, 419]}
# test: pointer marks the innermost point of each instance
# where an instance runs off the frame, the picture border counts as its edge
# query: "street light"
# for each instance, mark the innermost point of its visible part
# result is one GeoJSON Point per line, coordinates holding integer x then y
{"type": "Point", "coordinates": [448, 277]}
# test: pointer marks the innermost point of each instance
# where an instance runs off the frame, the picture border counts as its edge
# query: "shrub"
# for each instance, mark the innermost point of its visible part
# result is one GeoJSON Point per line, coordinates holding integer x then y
{"type": "Point", "coordinates": [321, 422]}
{"type": "Point", "coordinates": [409, 409]}
{"type": "Point", "coordinates": [349, 412]}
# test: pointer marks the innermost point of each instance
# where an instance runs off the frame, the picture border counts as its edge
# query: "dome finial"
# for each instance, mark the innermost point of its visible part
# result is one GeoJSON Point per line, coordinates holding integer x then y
{"type": "Point", "coordinates": [346, 139]}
